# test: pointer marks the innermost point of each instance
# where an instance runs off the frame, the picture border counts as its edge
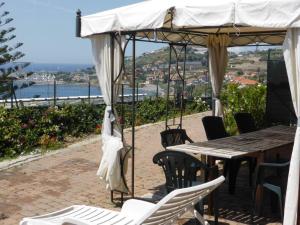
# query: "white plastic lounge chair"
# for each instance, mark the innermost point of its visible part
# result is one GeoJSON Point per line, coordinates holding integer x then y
{"type": "Point", "coordinates": [133, 212]}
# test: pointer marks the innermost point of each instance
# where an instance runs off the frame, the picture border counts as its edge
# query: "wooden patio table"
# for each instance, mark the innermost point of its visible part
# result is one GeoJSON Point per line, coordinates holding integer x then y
{"type": "Point", "coordinates": [256, 144]}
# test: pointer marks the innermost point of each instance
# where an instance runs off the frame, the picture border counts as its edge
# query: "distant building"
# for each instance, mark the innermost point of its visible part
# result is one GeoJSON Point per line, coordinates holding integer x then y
{"type": "Point", "coordinates": [243, 81]}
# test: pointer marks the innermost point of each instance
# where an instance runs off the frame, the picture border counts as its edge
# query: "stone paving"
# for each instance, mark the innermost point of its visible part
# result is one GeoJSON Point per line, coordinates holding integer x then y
{"type": "Point", "coordinates": [69, 177]}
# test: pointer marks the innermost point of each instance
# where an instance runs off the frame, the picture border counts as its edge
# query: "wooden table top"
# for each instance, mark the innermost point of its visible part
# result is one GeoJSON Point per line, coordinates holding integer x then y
{"type": "Point", "coordinates": [243, 144]}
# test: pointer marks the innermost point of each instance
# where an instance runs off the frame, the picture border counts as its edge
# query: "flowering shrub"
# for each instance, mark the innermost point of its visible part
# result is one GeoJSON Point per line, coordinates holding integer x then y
{"type": "Point", "coordinates": [197, 105]}
{"type": "Point", "coordinates": [98, 129]}
{"type": "Point", "coordinates": [24, 129]}
{"type": "Point", "coordinates": [250, 99]}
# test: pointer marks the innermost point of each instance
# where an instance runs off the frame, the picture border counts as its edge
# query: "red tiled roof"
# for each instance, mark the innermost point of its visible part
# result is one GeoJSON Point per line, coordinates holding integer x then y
{"type": "Point", "coordinates": [244, 81]}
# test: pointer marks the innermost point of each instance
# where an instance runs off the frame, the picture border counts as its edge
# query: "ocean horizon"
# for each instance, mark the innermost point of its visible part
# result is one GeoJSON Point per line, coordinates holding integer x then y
{"type": "Point", "coordinates": [50, 67]}
{"type": "Point", "coordinates": [56, 67]}
{"type": "Point", "coordinates": [46, 90]}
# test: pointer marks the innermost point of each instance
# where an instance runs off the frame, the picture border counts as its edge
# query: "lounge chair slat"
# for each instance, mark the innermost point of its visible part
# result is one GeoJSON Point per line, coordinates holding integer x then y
{"type": "Point", "coordinates": [165, 212]}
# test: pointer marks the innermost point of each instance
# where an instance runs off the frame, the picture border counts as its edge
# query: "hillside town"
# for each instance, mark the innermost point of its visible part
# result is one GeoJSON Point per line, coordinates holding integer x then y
{"type": "Point", "coordinates": [152, 69]}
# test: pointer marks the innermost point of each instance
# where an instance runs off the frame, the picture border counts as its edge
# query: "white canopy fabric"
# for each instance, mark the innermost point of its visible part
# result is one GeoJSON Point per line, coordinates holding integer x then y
{"type": "Point", "coordinates": [199, 18]}
{"type": "Point", "coordinates": [218, 58]}
{"type": "Point", "coordinates": [192, 22]}
{"type": "Point", "coordinates": [291, 48]}
{"type": "Point", "coordinates": [112, 145]}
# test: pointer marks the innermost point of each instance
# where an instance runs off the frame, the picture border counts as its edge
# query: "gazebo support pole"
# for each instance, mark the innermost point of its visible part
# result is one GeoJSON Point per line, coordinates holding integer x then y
{"type": "Point", "coordinates": [78, 23]}
{"type": "Point", "coordinates": [133, 114]}
{"type": "Point", "coordinates": [209, 86]}
{"type": "Point", "coordinates": [122, 112]}
{"type": "Point", "coordinates": [212, 95]}
{"type": "Point", "coordinates": [112, 75]}
{"type": "Point", "coordinates": [168, 89]}
{"type": "Point", "coordinates": [183, 88]}
{"type": "Point", "coordinates": [112, 58]}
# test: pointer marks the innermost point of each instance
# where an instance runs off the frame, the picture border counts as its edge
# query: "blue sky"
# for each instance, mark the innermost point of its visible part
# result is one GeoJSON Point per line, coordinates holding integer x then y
{"type": "Point", "coordinates": [47, 28]}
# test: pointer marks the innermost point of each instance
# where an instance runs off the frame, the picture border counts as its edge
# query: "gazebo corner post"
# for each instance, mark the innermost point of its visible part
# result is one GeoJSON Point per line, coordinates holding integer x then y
{"type": "Point", "coordinates": [168, 87]}
{"type": "Point", "coordinates": [133, 113]}
{"type": "Point", "coordinates": [112, 76]}
{"type": "Point", "coordinates": [183, 88]}
{"type": "Point", "coordinates": [122, 111]}
{"type": "Point", "coordinates": [209, 85]}
{"type": "Point", "coordinates": [112, 46]}
{"type": "Point", "coordinates": [78, 23]}
{"type": "Point", "coordinates": [213, 108]}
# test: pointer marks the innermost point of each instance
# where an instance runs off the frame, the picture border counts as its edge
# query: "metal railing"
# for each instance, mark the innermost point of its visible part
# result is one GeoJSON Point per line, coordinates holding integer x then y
{"type": "Point", "coordinates": [94, 99]}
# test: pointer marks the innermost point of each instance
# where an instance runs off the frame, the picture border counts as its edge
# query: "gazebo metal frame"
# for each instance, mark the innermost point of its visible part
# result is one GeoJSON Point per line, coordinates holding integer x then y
{"type": "Point", "coordinates": [148, 35]}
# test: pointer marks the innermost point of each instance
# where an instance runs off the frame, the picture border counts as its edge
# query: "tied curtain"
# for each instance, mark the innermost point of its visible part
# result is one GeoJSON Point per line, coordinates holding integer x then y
{"type": "Point", "coordinates": [291, 51]}
{"type": "Point", "coordinates": [112, 145]}
{"type": "Point", "coordinates": [218, 58]}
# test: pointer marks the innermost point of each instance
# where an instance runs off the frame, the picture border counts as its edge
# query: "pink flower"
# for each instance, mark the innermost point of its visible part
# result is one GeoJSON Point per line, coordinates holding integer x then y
{"type": "Point", "coordinates": [24, 125]}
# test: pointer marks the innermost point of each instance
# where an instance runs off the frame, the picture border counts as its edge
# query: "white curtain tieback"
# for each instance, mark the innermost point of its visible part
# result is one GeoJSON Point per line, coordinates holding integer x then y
{"type": "Point", "coordinates": [111, 115]}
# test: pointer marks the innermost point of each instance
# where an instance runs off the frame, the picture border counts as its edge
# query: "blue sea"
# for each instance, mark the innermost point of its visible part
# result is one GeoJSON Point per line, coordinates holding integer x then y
{"type": "Point", "coordinates": [48, 67]}
{"type": "Point", "coordinates": [62, 90]}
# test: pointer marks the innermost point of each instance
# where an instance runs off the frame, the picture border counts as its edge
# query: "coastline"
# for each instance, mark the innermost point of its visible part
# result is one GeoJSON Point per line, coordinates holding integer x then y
{"type": "Point", "coordinates": [40, 83]}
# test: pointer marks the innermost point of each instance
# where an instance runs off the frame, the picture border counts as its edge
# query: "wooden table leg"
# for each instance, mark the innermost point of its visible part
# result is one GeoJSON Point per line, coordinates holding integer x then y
{"type": "Point", "coordinates": [211, 163]}
{"type": "Point", "coordinates": [259, 189]}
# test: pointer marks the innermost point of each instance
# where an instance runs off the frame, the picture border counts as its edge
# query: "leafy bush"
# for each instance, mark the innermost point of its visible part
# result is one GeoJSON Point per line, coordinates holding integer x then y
{"type": "Point", "coordinates": [22, 130]}
{"type": "Point", "coordinates": [197, 105]}
{"type": "Point", "coordinates": [250, 99]}
{"type": "Point", "coordinates": [149, 111]}
{"type": "Point", "coordinates": [25, 129]}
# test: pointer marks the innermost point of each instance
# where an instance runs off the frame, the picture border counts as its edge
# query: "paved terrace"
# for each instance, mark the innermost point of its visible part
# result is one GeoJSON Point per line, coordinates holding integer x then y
{"type": "Point", "coordinates": [69, 177]}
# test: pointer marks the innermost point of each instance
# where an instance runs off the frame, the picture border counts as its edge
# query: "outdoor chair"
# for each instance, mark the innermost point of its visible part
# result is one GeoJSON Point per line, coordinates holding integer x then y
{"type": "Point", "coordinates": [273, 177]}
{"type": "Point", "coordinates": [133, 212]}
{"type": "Point", "coordinates": [180, 171]}
{"type": "Point", "coordinates": [174, 137]}
{"type": "Point", "coordinates": [245, 122]}
{"type": "Point", "coordinates": [215, 129]}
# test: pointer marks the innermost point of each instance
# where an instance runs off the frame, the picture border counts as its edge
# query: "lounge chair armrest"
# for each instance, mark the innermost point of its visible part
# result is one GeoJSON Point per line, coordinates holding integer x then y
{"type": "Point", "coordinates": [71, 220]}
{"type": "Point", "coordinates": [274, 165]}
{"type": "Point", "coordinates": [31, 221]}
{"type": "Point", "coordinates": [136, 208]}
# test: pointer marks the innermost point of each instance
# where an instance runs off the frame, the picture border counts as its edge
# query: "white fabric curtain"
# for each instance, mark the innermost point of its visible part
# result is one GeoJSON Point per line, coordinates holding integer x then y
{"type": "Point", "coordinates": [112, 145]}
{"type": "Point", "coordinates": [218, 58]}
{"type": "Point", "coordinates": [291, 51]}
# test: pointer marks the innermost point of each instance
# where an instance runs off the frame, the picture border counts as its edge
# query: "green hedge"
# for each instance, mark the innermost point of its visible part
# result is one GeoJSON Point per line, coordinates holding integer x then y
{"type": "Point", "coordinates": [26, 129]}
{"type": "Point", "coordinates": [22, 130]}
{"type": "Point", "coordinates": [250, 99]}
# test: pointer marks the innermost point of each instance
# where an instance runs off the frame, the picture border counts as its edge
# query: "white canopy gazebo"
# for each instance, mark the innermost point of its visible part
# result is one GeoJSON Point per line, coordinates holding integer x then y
{"type": "Point", "coordinates": [215, 24]}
